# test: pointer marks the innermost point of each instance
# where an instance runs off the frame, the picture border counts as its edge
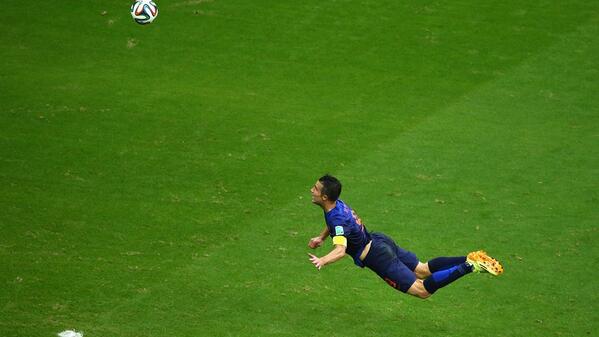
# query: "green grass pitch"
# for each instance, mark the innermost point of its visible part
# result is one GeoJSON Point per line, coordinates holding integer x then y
{"type": "Point", "coordinates": [154, 180]}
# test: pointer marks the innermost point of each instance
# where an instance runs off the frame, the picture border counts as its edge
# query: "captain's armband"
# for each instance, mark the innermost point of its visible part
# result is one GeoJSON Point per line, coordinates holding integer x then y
{"type": "Point", "coordinates": [340, 240]}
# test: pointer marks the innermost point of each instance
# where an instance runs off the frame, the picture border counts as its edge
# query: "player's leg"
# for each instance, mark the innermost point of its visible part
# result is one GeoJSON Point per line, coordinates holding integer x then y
{"type": "Point", "coordinates": [475, 262]}
{"type": "Point", "coordinates": [442, 278]}
{"type": "Point", "coordinates": [445, 262]}
{"type": "Point", "coordinates": [425, 288]}
{"type": "Point", "coordinates": [422, 270]}
{"type": "Point", "coordinates": [425, 269]}
{"type": "Point", "coordinates": [478, 258]}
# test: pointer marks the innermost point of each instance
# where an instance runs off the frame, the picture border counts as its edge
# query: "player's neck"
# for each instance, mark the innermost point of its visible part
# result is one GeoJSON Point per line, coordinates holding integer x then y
{"type": "Point", "coordinates": [328, 206]}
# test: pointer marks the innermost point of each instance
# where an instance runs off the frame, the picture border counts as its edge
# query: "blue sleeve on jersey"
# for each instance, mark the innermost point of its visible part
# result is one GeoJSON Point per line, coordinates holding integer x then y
{"type": "Point", "coordinates": [337, 227]}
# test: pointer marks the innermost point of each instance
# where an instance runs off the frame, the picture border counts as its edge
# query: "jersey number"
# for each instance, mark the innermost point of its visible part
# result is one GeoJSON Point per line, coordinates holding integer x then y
{"type": "Point", "coordinates": [357, 219]}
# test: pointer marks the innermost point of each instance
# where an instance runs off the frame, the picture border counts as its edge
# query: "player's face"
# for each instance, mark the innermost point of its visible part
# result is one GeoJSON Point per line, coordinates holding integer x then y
{"type": "Point", "coordinates": [316, 191]}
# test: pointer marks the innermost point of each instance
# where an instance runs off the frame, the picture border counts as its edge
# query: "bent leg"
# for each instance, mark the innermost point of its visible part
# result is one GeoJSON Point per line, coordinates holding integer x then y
{"type": "Point", "coordinates": [442, 278]}
{"type": "Point", "coordinates": [443, 262]}
{"type": "Point", "coordinates": [426, 269]}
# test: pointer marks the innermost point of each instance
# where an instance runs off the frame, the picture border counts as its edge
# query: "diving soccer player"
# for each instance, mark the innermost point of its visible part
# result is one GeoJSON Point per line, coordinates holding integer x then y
{"type": "Point", "coordinates": [400, 268]}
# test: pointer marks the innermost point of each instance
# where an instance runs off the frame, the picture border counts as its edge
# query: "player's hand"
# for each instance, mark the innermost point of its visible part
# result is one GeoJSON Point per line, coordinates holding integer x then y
{"type": "Point", "coordinates": [316, 261]}
{"type": "Point", "coordinates": [315, 242]}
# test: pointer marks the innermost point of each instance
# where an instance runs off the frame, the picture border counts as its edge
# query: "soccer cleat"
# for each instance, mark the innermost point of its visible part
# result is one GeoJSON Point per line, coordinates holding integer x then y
{"type": "Point", "coordinates": [483, 263]}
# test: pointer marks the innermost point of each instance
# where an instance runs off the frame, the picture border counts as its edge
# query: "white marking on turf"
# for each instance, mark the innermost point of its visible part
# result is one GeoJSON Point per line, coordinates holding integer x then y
{"type": "Point", "coordinates": [70, 333]}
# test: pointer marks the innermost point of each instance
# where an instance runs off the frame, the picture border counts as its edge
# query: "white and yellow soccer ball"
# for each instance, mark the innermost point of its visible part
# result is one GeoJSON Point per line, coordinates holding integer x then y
{"type": "Point", "coordinates": [144, 11]}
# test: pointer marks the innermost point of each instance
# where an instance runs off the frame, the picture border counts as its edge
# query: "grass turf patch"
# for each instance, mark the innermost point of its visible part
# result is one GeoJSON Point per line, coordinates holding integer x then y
{"type": "Point", "coordinates": [155, 179]}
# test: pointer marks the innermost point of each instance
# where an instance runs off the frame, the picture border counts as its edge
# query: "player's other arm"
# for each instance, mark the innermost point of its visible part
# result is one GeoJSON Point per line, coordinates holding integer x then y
{"type": "Point", "coordinates": [316, 242]}
{"type": "Point", "coordinates": [335, 255]}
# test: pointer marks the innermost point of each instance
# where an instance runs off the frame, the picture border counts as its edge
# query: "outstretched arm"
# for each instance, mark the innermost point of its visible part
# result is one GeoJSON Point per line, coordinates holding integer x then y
{"type": "Point", "coordinates": [336, 254]}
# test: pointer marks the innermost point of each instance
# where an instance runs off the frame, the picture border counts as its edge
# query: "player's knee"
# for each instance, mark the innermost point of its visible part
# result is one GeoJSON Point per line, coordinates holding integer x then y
{"type": "Point", "coordinates": [424, 295]}
{"type": "Point", "coordinates": [418, 290]}
{"type": "Point", "coordinates": [422, 271]}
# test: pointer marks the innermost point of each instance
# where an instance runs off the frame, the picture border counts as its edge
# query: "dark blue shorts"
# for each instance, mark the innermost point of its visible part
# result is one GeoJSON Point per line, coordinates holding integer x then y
{"type": "Point", "coordinates": [392, 263]}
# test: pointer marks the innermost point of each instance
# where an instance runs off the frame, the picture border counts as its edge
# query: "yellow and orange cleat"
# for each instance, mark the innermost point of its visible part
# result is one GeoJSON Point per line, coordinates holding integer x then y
{"type": "Point", "coordinates": [483, 263]}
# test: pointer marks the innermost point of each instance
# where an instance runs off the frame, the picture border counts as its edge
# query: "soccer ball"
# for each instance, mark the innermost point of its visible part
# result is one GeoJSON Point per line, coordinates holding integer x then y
{"type": "Point", "coordinates": [144, 11]}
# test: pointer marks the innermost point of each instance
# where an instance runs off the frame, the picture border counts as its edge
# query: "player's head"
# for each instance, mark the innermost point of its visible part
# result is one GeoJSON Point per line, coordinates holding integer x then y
{"type": "Point", "coordinates": [331, 187]}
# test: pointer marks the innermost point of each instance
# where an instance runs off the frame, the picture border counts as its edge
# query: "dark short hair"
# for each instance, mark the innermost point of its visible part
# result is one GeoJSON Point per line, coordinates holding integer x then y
{"type": "Point", "coordinates": [331, 186]}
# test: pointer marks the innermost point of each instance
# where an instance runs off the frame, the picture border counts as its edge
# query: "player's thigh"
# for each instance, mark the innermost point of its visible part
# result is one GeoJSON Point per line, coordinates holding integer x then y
{"type": "Point", "coordinates": [407, 257]}
{"type": "Point", "coordinates": [399, 276]}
